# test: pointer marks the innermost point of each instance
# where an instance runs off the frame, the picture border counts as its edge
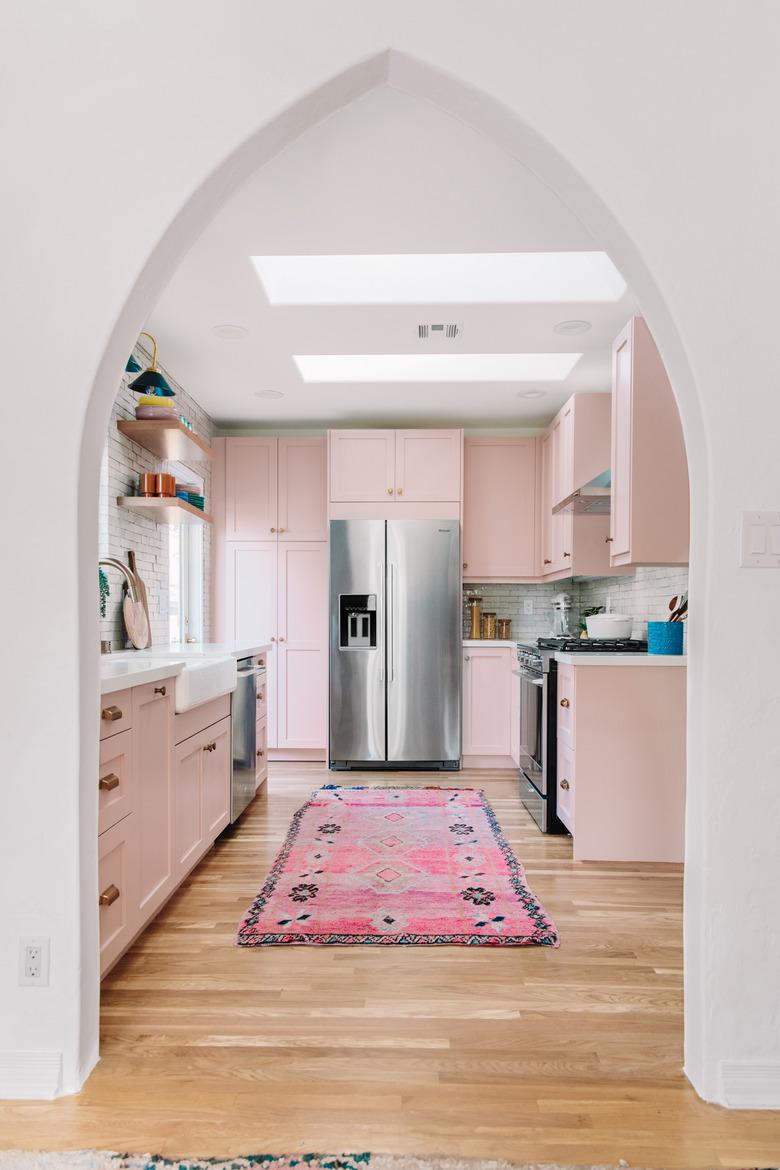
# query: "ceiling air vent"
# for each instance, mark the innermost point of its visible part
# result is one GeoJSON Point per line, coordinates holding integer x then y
{"type": "Point", "coordinates": [450, 330]}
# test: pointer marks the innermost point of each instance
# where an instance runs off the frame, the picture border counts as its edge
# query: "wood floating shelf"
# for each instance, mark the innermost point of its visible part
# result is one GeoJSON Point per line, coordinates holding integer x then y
{"type": "Point", "coordinates": [165, 509]}
{"type": "Point", "coordinates": [165, 438]}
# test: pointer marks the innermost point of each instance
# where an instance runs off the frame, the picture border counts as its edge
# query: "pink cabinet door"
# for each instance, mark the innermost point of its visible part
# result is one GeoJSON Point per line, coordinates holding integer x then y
{"type": "Point", "coordinates": [514, 729]}
{"type": "Point", "coordinates": [216, 781]}
{"type": "Point", "coordinates": [302, 680]}
{"type": "Point", "coordinates": [427, 465]}
{"type": "Point", "coordinates": [261, 752]}
{"type": "Point", "coordinates": [115, 780]}
{"type": "Point", "coordinates": [487, 701]}
{"type": "Point", "coordinates": [565, 785]}
{"type": "Point", "coordinates": [250, 489]}
{"type": "Point", "coordinates": [620, 516]}
{"type": "Point", "coordinates": [188, 837]}
{"type": "Point", "coordinates": [117, 889]}
{"type": "Point", "coordinates": [251, 605]}
{"type": "Point", "coordinates": [564, 471]}
{"type": "Point", "coordinates": [546, 516]}
{"type": "Point", "coordinates": [303, 491]}
{"type": "Point", "coordinates": [499, 510]}
{"type": "Point", "coordinates": [152, 755]}
{"type": "Point", "coordinates": [362, 466]}
{"type": "Point", "coordinates": [565, 719]}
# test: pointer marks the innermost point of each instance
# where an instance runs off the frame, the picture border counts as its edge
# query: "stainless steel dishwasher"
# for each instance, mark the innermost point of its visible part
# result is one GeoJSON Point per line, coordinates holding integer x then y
{"type": "Point", "coordinates": [243, 711]}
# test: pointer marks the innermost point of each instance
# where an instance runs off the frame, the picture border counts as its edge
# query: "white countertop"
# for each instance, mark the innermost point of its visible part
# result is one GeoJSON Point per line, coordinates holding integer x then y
{"type": "Point", "coordinates": [506, 642]}
{"type": "Point", "coordinates": [583, 658]}
{"type": "Point", "coordinates": [133, 668]}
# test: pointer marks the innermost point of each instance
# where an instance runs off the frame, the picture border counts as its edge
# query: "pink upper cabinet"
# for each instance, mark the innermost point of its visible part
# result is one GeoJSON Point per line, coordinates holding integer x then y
{"type": "Point", "coordinates": [427, 465]}
{"type": "Point", "coordinates": [499, 508]}
{"type": "Point", "coordinates": [250, 489]}
{"type": "Point", "coordinates": [362, 466]}
{"type": "Point", "coordinates": [650, 508]}
{"type": "Point", "coordinates": [303, 512]}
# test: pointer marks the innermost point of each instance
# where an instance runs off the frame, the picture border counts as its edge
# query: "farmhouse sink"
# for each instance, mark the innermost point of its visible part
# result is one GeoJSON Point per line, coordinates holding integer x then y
{"type": "Point", "coordinates": [202, 679]}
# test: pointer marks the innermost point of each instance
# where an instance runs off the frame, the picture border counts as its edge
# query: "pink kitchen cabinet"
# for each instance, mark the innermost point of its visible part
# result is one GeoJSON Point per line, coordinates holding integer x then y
{"type": "Point", "coordinates": [152, 745]}
{"type": "Point", "coordinates": [650, 503]}
{"type": "Point", "coordinates": [362, 466]}
{"type": "Point", "coordinates": [217, 767]}
{"type": "Point", "coordinates": [251, 489]}
{"type": "Point", "coordinates": [302, 677]}
{"type": "Point", "coordinates": [487, 706]}
{"type": "Point", "coordinates": [118, 900]}
{"type": "Point", "coordinates": [499, 509]}
{"type": "Point", "coordinates": [189, 843]}
{"type": "Point", "coordinates": [428, 465]}
{"type": "Point", "coordinates": [251, 573]}
{"type": "Point", "coordinates": [302, 489]}
{"type": "Point", "coordinates": [116, 780]}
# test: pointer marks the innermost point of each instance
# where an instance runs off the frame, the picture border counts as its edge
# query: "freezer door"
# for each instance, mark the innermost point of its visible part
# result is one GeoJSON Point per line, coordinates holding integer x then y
{"type": "Point", "coordinates": [357, 641]}
{"type": "Point", "coordinates": [424, 633]}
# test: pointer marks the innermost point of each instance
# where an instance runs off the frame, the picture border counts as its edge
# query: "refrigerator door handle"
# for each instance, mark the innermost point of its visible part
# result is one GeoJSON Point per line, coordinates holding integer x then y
{"type": "Point", "coordinates": [383, 648]}
{"type": "Point", "coordinates": [391, 622]}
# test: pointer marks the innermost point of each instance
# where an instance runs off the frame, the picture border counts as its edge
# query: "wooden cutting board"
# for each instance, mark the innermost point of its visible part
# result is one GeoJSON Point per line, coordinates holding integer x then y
{"type": "Point", "coordinates": [136, 622]}
{"type": "Point", "coordinates": [141, 597]}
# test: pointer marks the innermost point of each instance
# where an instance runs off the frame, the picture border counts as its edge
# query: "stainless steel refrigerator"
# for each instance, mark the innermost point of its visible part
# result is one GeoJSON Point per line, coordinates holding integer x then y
{"type": "Point", "coordinates": [395, 644]}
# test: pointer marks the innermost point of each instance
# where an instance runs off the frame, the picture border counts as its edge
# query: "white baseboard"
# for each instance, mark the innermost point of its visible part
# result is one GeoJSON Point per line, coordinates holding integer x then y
{"type": "Point", "coordinates": [30, 1076]}
{"type": "Point", "coordinates": [750, 1086]}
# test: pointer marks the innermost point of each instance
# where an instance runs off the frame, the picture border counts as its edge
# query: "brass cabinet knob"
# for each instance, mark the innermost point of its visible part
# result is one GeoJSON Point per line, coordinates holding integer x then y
{"type": "Point", "coordinates": [260, 752]}
{"type": "Point", "coordinates": [281, 530]}
{"type": "Point", "coordinates": [565, 703]}
{"type": "Point", "coordinates": [547, 561]}
{"type": "Point", "coordinates": [281, 639]}
{"type": "Point", "coordinates": [466, 658]}
{"type": "Point", "coordinates": [389, 491]}
{"type": "Point", "coordinates": [159, 690]}
{"type": "Point", "coordinates": [109, 895]}
{"type": "Point", "coordinates": [109, 783]}
{"type": "Point", "coordinates": [273, 530]}
{"type": "Point", "coordinates": [210, 747]}
{"type": "Point", "coordinates": [399, 491]}
{"type": "Point", "coordinates": [273, 639]}
{"type": "Point", "coordinates": [465, 564]}
{"type": "Point", "coordinates": [565, 784]}
{"type": "Point", "coordinates": [567, 554]}
{"type": "Point", "coordinates": [111, 714]}
{"type": "Point", "coordinates": [260, 695]}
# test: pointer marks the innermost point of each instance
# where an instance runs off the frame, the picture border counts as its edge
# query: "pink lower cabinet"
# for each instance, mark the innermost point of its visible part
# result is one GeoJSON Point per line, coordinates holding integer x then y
{"type": "Point", "coordinates": [115, 780]}
{"type": "Point", "coordinates": [620, 782]}
{"type": "Point", "coordinates": [201, 794]}
{"type": "Point", "coordinates": [152, 755]}
{"type": "Point", "coordinates": [261, 764]}
{"type": "Point", "coordinates": [487, 706]}
{"type": "Point", "coordinates": [119, 918]}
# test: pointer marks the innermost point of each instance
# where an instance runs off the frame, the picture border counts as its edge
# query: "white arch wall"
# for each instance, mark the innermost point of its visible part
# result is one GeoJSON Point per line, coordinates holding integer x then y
{"type": "Point", "coordinates": [665, 118]}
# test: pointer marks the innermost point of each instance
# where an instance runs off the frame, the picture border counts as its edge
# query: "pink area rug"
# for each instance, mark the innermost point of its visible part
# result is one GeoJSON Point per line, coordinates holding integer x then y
{"type": "Point", "coordinates": [408, 865]}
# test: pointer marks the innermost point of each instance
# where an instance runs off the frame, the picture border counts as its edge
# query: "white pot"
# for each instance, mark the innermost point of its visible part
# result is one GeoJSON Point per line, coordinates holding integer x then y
{"type": "Point", "coordinates": [609, 625]}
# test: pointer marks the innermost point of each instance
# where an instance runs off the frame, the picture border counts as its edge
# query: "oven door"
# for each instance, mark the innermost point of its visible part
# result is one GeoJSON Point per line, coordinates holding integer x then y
{"type": "Point", "coordinates": [532, 728]}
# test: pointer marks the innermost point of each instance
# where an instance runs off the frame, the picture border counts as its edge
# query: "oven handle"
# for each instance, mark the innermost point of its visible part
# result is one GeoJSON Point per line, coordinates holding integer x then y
{"type": "Point", "coordinates": [533, 679]}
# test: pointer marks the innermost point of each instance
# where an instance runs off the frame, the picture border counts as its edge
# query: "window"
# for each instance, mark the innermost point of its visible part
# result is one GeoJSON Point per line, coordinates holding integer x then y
{"type": "Point", "coordinates": [185, 570]}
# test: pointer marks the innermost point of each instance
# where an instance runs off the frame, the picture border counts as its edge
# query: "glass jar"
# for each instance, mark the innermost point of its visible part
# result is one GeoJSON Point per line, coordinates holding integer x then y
{"type": "Point", "coordinates": [489, 626]}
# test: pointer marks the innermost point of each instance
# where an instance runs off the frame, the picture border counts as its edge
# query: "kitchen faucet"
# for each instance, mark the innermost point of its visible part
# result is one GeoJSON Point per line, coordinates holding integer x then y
{"type": "Point", "coordinates": [132, 584]}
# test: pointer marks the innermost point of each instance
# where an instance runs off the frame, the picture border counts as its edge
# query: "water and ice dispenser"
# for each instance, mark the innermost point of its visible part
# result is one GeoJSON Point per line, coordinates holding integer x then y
{"type": "Point", "coordinates": [357, 621]}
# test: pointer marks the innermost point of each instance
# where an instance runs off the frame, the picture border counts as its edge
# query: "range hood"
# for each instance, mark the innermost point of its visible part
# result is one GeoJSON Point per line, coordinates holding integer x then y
{"type": "Point", "coordinates": [594, 499]}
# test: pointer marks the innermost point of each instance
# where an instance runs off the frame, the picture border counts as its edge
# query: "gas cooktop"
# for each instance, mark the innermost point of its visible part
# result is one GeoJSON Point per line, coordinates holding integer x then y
{"type": "Point", "coordinates": [593, 645]}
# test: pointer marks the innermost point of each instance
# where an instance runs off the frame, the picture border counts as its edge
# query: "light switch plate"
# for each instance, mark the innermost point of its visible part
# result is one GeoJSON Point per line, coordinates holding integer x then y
{"type": "Point", "coordinates": [760, 540]}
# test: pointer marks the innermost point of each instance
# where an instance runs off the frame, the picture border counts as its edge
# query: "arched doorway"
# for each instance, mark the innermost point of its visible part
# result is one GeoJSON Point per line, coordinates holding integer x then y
{"type": "Point", "coordinates": [484, 115]}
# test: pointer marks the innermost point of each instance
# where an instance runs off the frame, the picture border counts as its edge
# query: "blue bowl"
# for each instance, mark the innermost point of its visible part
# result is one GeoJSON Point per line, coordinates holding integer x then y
{"type": "Point", "coordinates": [665, 637]}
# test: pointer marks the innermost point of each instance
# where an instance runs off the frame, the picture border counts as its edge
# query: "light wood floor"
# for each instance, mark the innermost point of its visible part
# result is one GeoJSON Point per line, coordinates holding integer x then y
{"type": "Point", "coordinates": [531, 1054]}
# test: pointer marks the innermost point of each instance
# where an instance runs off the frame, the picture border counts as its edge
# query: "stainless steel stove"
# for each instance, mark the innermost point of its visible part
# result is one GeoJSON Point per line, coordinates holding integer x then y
{"type": "Point", "coordinates": [537, 670]}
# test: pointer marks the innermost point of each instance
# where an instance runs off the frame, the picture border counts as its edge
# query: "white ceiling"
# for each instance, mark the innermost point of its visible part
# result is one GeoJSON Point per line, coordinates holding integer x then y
{"type": "Point", "coordinates": [388, 174]}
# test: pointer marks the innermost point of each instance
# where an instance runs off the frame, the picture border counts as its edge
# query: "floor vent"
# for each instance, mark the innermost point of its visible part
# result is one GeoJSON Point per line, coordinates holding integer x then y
{"type": "Point", "coordinates": [450, 330]}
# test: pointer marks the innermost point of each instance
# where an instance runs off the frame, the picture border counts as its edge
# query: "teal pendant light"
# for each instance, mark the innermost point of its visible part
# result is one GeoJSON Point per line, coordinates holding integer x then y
{"type": "Point", "coordinates": [132, 366]}
{"type": "Point", "coordinates": [151, 380]}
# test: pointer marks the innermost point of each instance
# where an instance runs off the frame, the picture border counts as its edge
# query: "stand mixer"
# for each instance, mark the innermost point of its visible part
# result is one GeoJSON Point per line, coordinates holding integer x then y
{"type": "Point", "coordinates": [562, 624]}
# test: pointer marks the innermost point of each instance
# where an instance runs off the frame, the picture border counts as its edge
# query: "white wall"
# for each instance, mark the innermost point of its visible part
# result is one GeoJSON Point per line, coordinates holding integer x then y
{"type": "Point", "coordinates": [656, 122]}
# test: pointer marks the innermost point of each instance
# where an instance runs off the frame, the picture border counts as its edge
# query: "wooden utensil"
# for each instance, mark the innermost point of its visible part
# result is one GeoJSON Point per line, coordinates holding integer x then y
{"type": "Point", "coordinates": [136, 622]}
{"type": "Point", "coordinates": [141, 596]}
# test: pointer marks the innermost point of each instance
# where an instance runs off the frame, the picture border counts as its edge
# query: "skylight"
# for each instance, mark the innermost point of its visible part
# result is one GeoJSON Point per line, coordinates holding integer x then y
{"type": "Point", "coordinates": [441, 279]}
{"type": "Point", "coordinates": [435, 367]}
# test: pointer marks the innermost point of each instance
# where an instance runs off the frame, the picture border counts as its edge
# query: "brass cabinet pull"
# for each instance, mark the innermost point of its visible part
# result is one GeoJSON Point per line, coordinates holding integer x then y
{"type": "Point", "coordinates": [159, 690]}
{"type": "Point", "coordinates": [210, 747]}
{"type": "Point", "coordinates": [260, 695]}
{"type": "Point", "coordinates": [273, 639]}
{"type": "Point", "coordinates": [565, 703]}
{"type": "Point", "coordinates": [109, 783]}
{"type": "Point", "coordinates": [608, 539]}
{"type": "Point", "coordinates": [567, 554]}
{"type": "Point", "coordinates": [111, 714]}
{"type": "Point", "coordinates": [109, 895]}
{"type": "Point", "coordinates": [260, 752]}
{"type": "Point", "coordinates": [281, 639]}
{"type": "Point", "coordinates": [547, 561]}
{"type": "Point", "coordinates": [282, 530]}
{"type": "Point", "coordinates": [565, 784]}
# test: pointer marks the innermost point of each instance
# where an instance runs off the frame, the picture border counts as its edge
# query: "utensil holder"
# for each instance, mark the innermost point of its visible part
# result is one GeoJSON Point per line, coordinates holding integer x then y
{"type": "Point", "coordinates": [664, 637]}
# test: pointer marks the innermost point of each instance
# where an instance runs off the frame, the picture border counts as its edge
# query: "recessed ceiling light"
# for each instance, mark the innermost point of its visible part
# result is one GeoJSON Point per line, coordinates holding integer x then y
{"type": "Point", "coordinates": [440, 278]}
{"type": "Point", "coordinates": [532, 394]}
{"type": "Point", "coordinates": [567, 328]}
{"type": "Point", "coordinates": [230, 332]}
{"type": "Point", "coordinates": [435, 367]}
{"type": "Point", "coordinates": [269, 394]}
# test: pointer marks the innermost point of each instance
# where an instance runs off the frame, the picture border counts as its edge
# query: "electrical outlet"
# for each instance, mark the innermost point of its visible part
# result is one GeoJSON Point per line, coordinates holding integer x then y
{"type": "Point", "coordinates": [34, 962]}
{"type": "Point", "coordinates": [528, 605]}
